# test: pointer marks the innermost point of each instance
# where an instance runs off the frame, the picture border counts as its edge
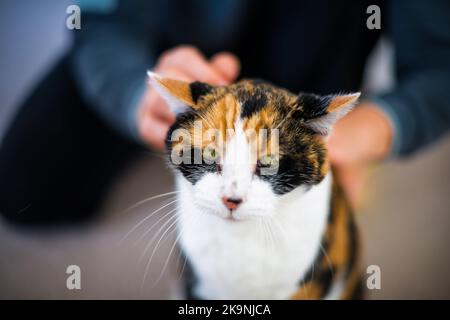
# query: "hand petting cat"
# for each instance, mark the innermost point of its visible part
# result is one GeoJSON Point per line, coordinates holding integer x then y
{"type": "Point", "coordinates": [184, 63]}
{"type": "Point", "coordinates": [358, 141]}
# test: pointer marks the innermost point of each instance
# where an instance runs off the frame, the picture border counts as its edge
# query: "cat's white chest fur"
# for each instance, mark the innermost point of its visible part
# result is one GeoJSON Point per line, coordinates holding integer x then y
{"type": "Point", "coordinates": [244, 260]}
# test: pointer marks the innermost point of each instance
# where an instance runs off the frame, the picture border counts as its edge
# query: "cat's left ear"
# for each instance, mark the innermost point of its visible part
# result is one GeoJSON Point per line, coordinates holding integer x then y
{"type": "Point", "coordinates": [179, 95]}
{"type": "Point", "coordinates": [320, 113]}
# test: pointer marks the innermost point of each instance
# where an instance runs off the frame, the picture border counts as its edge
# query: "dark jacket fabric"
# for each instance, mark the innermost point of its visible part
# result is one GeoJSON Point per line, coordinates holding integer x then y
{"type": "Point", "coordinates": [318, 46]}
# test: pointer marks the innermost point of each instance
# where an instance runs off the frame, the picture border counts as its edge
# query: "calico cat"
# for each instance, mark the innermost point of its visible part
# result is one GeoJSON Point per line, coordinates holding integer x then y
{"type": "Point", "coordinates": [260, 216]}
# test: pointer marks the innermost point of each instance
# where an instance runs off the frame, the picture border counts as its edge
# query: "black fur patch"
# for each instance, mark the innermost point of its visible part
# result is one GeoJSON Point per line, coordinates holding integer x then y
{"type": "Point", "coordinates": [192, 171]}
{"type": "Point", "coordinates": [199, 89]}
{"type": "Point", "coordinates": [311, 106]}
{"type": "Point", "coordinates": [253, 104]}
{"type": "Point", "coordinates": [291, 173]}
{"type": "Point", "coordinates": [186, 117]}
{"type": "Point", "coordinates": [353, 245]}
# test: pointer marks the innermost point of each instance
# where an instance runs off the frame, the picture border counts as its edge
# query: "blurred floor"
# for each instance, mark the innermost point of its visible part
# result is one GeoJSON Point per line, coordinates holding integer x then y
{"type": "Point", "coordinates": [113, 254]}
{"type": "Point", "coordinates": [404, 227]}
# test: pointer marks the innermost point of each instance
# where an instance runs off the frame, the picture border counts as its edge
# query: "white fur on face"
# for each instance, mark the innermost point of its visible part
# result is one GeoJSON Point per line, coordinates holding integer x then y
{"type": "Point", "coordinates": [236, 180]}
{"type": "Point", "coordinates": [238, 260]}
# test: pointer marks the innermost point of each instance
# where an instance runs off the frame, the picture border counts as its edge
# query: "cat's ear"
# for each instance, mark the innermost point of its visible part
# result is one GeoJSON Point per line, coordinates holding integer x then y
{"type": "Point", "coordinates": [179, 95]}
{"type": "Point", "coordinates": [320, 113]}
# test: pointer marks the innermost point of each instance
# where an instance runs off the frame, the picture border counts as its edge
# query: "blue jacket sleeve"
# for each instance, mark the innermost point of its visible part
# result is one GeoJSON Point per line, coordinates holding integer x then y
{"type": "Point", "coordinates": [109, 62]}
{"type": "Point", "coordinates": [419, 106]}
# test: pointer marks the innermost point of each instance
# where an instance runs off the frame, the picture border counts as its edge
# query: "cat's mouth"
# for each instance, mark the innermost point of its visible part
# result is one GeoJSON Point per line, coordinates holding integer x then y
{"type": "Point", "coordinates": [231, 218]}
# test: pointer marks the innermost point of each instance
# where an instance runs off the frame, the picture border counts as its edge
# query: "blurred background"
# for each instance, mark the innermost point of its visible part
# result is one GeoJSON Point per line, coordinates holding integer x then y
{"type": "Point", "coordinates": [404, 222]}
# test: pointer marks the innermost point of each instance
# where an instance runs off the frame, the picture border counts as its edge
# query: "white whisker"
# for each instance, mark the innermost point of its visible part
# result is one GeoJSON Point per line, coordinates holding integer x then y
{"type": "Point", "coordinates": [141, 202]}
{"type": "Point", "coordinates": [155, 224]}
{"type": "Point", "coordinates": [145, 219]}
{"type": "Point", "coordinates": [147, 267]}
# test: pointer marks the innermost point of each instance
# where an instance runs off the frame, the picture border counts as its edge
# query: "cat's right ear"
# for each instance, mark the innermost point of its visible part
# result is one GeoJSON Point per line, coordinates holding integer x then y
{"type": "Point", "coordinates": [179, 95]}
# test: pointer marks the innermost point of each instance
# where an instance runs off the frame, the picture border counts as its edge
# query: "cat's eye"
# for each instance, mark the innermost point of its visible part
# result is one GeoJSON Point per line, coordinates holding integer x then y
{"type": "Point", "coordinates": [210, 154]}
{"type": "Point", "coordinates": [268, 160]}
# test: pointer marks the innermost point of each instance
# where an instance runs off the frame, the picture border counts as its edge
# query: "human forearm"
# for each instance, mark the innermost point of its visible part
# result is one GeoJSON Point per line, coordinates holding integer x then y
{"type": "Point", "coordinates": [109, 61]}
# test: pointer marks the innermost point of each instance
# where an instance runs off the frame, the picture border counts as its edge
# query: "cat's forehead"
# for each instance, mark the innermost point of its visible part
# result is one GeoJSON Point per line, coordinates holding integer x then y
{"type": "Point", "coordinates": [256, 95]}
{"type": "Point", "coordinates": [252, 104]}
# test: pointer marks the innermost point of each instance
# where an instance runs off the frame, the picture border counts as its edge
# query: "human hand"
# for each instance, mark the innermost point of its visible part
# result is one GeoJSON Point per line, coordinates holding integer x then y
{"type": "Point", "coordinates": [358, 140]}
{"type": "Point", "coordinates": [185, 63]}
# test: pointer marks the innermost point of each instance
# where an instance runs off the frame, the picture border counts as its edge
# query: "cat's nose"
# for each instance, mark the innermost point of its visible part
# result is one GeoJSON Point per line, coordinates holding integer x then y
{"type": "Point", "coordinates": [231, 202]}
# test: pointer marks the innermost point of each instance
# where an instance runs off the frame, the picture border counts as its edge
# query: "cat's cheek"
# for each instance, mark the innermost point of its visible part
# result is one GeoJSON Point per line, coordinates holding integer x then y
{"type": "Point", "coordinates": [206, 194]}
{"type": "Point", "coordinates": [261, 201]}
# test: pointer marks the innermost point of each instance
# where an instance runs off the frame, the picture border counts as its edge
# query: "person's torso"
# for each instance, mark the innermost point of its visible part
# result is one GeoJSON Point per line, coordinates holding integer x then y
{"type": "Point", "coordinates": [318, 46]}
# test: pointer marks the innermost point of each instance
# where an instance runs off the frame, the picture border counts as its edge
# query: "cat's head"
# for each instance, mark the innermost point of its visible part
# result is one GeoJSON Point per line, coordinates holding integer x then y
{"type": "Point", "coordinates": [237, 149]}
